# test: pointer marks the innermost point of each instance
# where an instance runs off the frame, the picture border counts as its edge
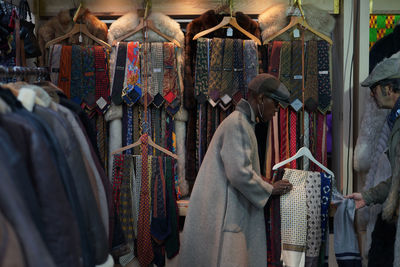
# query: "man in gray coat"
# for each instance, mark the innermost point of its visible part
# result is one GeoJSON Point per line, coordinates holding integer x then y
{"type": "Point", "coordinates": [384, 82]}
{"type": "Point", "coordinates": [225, 223]}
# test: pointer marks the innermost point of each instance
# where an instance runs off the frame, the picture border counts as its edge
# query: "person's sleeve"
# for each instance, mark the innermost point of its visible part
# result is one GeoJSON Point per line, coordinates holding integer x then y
{"type": "Point", "coordinates": [378, 193]}
{"type": "Point", "coordinates": [236, 153]}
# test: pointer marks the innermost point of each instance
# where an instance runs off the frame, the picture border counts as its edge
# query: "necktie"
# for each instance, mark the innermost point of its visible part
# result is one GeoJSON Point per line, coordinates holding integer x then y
{"type": "Point", "coordinates": [293, 139]}
{"type": "Point", "coordinates": [129, 128]}
{"type": "Point", "coordinates": [283, 131]}
{"type": "Point", "coordinates": [126, 216]}
{"type": "Point", "coordinates": [119, 74]}
{"type": "Point", "coordinates": [118, 164]}
{"type": "Point", "coordinates": [313, 202]}
{"type": "Point", "coordinates": [285, 64]}
{"type": "Point", "coordinates": [227, 71]}
{"type": "Point", "coordinates": [157, 58]}
{"type": "Point", "coordinates": [147, 73]}
{"type": "Point", "coordinates": [133, 73]}
{"type": "Point", "coordinates": [325, 202]}
{"type": "Point", "coordinates": [170, 86]}
{"type": "Point", "coordinates": [144, 247]}
{"type": "Point", "coordinates": [201, 72]}
{"type": "Point", "coordinates": [324, 86]}
{"type": "Point", "coordinates": [102, 77]}
{"type": "Point", "coordinates": [250, 56]}
{"type": "Point", "coordinates": [54, 63]}
{"type": "Point", "coordinates": [306, 162]}
{"type": "Point", "coordinates": [214, 85]}
{"type": "Point", "coordinates": [320, 128]}
{"type": "Point", "coordinates": [101, 130]}
{"type": "Point", "coordinates": [88, 83]}
{"type": "Point", "coordinates": [311, 90]}
{"type": "Point", "coordinates": [136, 189]}
{"type": "Point", "coordinates": [64, 79]}
{"type": "Point", "coordinates": [238, 67]}
{"type": "Point", "coordinates": [273, 67]}
{"type": "Point", "coordinates": [296, 77]}
{"type": "Point", "coordinates": [76, 74]}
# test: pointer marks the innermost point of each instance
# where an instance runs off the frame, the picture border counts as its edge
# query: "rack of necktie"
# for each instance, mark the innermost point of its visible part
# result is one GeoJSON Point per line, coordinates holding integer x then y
{"type": "Point", "coordinates": [303, 121]}
{"type": "Point", "coordinates": [223, 69]}
{"type": "Point", "coordinates": [163, 93]}
{"type": "Point", "coordinates": [82, 72]}
{"type": "Point", "coordinates": [159, 216]}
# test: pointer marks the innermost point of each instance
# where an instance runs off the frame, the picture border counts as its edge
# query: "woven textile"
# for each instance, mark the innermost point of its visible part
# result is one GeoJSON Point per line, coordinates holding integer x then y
{"type": "Point", "coordinates": [294, 219]}
{"type": "Point", "coordinates": [126, 211]}
{"type": "Point", "coordinates": [250, 55]}
{"type": "Point", "coordinates": [381, 25]}
{"type": "Point", "coordinates": [238, 69]}
{"type": "Point", "coordinates": [296, 73]}
{"type": "Point", "coordinates": [273, 67]}
{"type": "Point", "coordinates": [102, 75]}
{"type": "Point", "coordinates": [119, 74]}
{"type": "Point", "coordinates": [88, 83]}
{"type": "Point", "coordinates": [76, 74]}
{"type": "Point", "coordinates": [133, 76]}
{"type": "Point", "coordinates": [157, 72]}
{"type": "Point", "coordinates": [227, 69]}
{"type": "Point", "coordinates": [170, 86]}
{"type": "Point", "coordinates": [311, 90]}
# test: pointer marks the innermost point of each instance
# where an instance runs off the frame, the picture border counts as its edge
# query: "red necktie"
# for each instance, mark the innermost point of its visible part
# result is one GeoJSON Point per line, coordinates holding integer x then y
{"type": "Point", "coordinates": [102, 79]}
{"type": "Point", "coordinates": [273, 67]}
{"type": "Point", "coordinates": [293, 143]}
{"type": "Point", "coordinates": [144, 246]}
{"type": "Point", "coordinates": [64, 78]}
{"type": "Point", "coordinates": [283, 127]}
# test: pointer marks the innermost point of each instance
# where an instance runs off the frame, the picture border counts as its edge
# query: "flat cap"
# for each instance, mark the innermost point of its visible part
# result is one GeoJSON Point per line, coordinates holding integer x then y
{"type": "Point", "coordinates": [270, 86]}
{"type": "Point", "coordinates": [388, 68]}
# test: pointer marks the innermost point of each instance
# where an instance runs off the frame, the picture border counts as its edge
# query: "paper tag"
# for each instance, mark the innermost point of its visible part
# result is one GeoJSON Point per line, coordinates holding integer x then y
{"type": "Point", "coordinates": [229, 32]}
{"type": "Point", "coordinates": [101, 103]}
{"type": "Point", "coordinates": [155, 70]}
{"type": "Point", "coordinates": [296, 105]}
{"type": "Point", "coordinates": [323, 72]}
{"type": "Point", "coordinates": [296, 33]}
{"type": "Point", "coordinates": [80, 38]}
{"type": "Point", "coordinates": [297, 77]}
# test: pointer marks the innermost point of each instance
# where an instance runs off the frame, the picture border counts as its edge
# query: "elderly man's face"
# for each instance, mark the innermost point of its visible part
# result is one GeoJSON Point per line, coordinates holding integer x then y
{"type": "Point", "coordinates": [380, 94]}
{"type": "Point", "coordinates": [267, 108]}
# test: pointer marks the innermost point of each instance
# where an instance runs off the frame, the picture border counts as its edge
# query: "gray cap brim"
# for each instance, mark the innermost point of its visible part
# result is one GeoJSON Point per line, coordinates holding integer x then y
{"type": "Point", "coordinates": [388, 68]}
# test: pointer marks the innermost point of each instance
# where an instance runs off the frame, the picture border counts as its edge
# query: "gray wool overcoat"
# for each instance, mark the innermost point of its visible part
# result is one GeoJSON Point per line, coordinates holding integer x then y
{"type": "Point", "coordinates": [225, 222]}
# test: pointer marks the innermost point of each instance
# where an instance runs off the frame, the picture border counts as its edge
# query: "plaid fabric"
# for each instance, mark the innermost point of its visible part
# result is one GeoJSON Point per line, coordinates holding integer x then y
{"type": "Point", "coordinates": [102, 75]}
{"type": "Point", "coordinates": [381, 25]}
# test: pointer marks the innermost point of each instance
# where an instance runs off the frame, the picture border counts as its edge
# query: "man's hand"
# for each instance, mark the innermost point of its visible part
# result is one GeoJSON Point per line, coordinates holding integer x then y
{"type": "Point", "coordinates": [360, 202]}
{"type": "Point", "coordinates": [281, 187]}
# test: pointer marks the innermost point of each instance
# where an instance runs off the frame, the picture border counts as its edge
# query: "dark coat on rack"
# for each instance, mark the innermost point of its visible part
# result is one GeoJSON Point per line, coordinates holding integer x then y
{"type": "Point", "coordinates": [62, 24]}
{"type": "Point", "coordinates": [384, 47]}
{"type": "Point", "coordinates": [206, 21]}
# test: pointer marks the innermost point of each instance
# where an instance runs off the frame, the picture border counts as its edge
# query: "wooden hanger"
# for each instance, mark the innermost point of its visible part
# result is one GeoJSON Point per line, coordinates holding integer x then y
{"type": "Point", "coordinates": [302, 23]}
{"type": "Point", "coordinates": [78, 28]}
{"type": "Point", "coordinates": [228, 20]}
{"type": "Point", "coordinates": [304, 151]}
{"type": "Point", "coordinates": [146, 24]}
{"type": "Point", "coordinates": [151, 143]}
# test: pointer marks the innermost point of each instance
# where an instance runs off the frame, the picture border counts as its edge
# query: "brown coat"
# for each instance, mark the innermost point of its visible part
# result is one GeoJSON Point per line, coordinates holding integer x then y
{"type": "Point", "coordinates": [62, 24]}
{"type": "Point", "coordinates": [207, 20]}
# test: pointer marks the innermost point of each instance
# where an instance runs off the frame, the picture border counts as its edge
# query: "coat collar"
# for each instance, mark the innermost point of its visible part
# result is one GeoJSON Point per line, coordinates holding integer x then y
{"type": "Point", "coordinates": [244, 107]}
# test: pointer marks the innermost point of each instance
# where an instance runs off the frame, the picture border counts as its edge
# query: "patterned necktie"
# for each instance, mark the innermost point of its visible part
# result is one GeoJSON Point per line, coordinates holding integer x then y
{"type": "Point", "coordinates": [119, 74]}
{"type": "Point", "coordinates": [285, 64]}
{"type": "Point", "coordinates": [283, 132]}
{"type": "Point", "coordinates": [214, 85]}
{"type": "Point", "coordinates": [320, 128]}
{"type": "Point", "coordinates": [227, 71]}
{"type": "Point", "coordinates": [144, 246]}
{"type": "Point", "coordinates": [311, 90]}
{"type": "Point", "coordinates": [201, 72]}
{"type": "Point", "coordinates": [54, 63]}
{"type": "Point", "coordinates": [324, 85]}
{"type": "Point", "coordinates": [126, 216]}
{"type": "Point", "coordinates": [157, 76]}
{"type": "Point", "coordinates": [273, 67]}
{"type": "Point", "coordinates": [146, 72]}
{"type": "Point", "coordinates": [64, 79]}
{"type": "Point", "coordinates": [326, 180]}
{"type": "Point", "coordinates": [133, 72]}
{"type": "Point", "coordinates": [238, 78]}
{"type": "Point", "coordinates": [170, 86]}
{"type": "Point", "coordinates": [296, 77]}
{"type": "Point", "coordinates": [313, 202]}
{"type": "Point", "coordinates": [102, 77]}
{"type": "Point", "coordinates": [88, 86]}
{"type": "Point", "coordinates": [250, 55]}
{"type": "Point", "coordinates": [76, 74]}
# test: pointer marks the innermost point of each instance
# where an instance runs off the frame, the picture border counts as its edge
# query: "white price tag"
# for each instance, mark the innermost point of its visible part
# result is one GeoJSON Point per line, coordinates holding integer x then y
{"type": "Point", "coordinates": [297, 77]}
{"type": "Point", "coordinates": [80, 38]}
{"type": "Point", "coordinates": [101, 102]}
{"type": "Point", "coordinates": [155, 70]}
{"type": "Point", "coordinates": [323, 72]}
{"type": "Point", "coordinates": [296, 33]}
{"type": "Point", "coordinates": [229, 32]}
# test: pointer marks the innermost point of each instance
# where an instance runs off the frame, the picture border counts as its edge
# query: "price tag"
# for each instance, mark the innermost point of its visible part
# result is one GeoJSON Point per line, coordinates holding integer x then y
{"type": "Point", "coordinates": [101, 103]}
{"type": "Point", "coordinates": [229, 32]}
{"type": "Point", "coordinates": [296, 33]}
{"type": "Point", "coordinates": [80, 38]}
{"type": "Point", "coordinates": [155, 70]}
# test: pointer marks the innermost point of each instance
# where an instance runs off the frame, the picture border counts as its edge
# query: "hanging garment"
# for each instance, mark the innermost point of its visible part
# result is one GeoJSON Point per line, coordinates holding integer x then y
{"type": "Point", "coordinates": [346, 243]}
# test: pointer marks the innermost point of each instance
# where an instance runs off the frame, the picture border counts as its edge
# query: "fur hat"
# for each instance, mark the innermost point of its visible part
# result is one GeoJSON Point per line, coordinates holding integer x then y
{"type": "Point", "coordinates": [274, 19]}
